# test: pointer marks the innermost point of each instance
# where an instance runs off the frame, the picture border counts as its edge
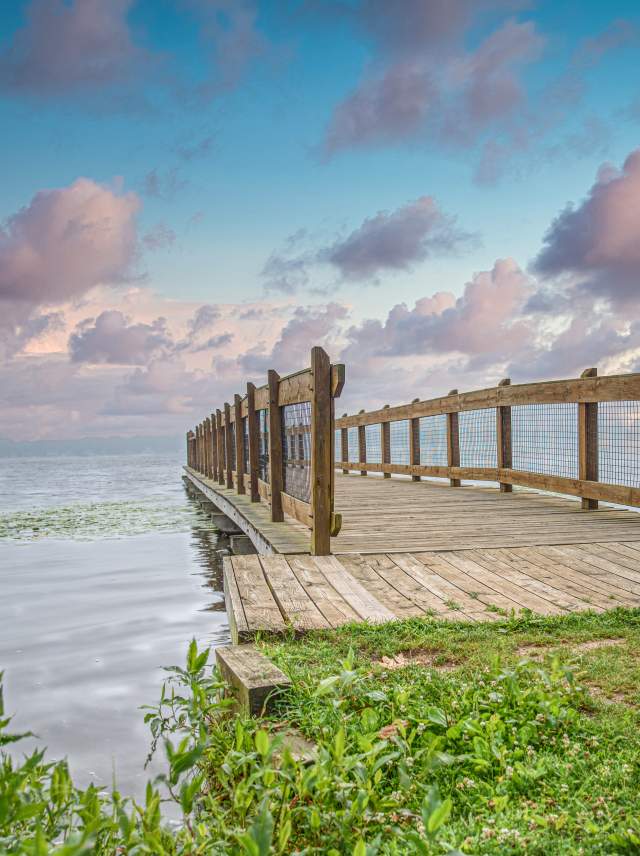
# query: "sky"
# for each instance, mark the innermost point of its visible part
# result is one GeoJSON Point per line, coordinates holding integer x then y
{"type": "Point", "coordinates": [442, 193]}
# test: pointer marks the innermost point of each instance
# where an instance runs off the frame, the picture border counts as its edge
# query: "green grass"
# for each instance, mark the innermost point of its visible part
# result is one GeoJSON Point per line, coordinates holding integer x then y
{"type": "Point", "coordinates": [513, 736]}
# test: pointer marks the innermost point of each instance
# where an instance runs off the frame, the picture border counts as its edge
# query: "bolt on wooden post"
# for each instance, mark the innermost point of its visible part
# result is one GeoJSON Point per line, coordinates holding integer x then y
{"type": "Point", "coordinates": [453, 442]}
{"type": "Point", "coordinates": [503, 438]}
{"type": "Point", "coordinates": [588, 442]}
{"type": "Point", "coordinates": [414, 442]}
{"type": "Point", "coordinates": [275, 446]}
{"type": "Point", "coordinates": [321, 445]}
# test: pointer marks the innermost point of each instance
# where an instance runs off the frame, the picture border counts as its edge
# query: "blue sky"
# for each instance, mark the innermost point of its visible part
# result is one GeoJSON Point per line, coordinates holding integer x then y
{"type": "Point", "coordinates": [215, 114]}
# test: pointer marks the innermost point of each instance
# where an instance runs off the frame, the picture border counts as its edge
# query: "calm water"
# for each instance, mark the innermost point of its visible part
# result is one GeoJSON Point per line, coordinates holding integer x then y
{"type": "Point", "coordinates": [107, 570]}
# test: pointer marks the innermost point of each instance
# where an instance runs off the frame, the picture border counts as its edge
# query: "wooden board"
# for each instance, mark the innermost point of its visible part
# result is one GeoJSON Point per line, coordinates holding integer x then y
{"type": "Point", "coordinates": [253, 679]}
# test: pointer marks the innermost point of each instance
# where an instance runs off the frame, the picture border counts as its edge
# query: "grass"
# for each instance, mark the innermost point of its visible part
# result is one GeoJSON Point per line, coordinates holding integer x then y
{"type": "Point", "coordinates": [515, 736]}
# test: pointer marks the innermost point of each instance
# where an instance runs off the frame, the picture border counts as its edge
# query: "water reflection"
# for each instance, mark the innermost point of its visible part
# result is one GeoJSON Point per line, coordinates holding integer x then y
{"type": "Point", "coordinates": [85, 629]}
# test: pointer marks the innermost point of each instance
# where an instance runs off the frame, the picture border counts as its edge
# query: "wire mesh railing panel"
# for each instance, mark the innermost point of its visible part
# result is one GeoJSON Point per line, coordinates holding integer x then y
{"type": "Point", "coordinates": [478, 440]}
{"type": "Point", "coordinates": [337, 445]}
{"type": "Point", "coordinates": [619, 442]}
{"type": "Point", "coordinates": [544, 439]}
{"type": "Point", "coordinates": [352, 444]}
{"type": "Point", "coordinates": [232, 441]}
{"type": "Point", "coordinates": [296, 450]}
{"type": "Point", "coordinates": [263, 445]}
{"type": "Point", "coordinates": [433, 441]}
{"type": "Point", "coordinates": [399, 441]}
{"type": "Point", "coordinates": [245, 443]}
{"type": "Point", "coordinates": [373, 440]}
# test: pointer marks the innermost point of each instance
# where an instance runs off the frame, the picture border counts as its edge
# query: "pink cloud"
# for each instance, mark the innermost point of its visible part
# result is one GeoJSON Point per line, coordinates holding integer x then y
{"type": "Point", "coordinates": [70, 46]}
{"type": "Point", "coordinates": [67, 241]}
{"type": "Point", "coordinates": [598, 242]}
{"type": "Point", "coordinates": [112, 339]}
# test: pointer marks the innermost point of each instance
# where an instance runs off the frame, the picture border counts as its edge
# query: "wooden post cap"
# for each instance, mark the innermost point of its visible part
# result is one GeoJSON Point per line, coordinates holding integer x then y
{"type": "Point", "coordinates": [386, 407]}
{"type": "Point", "coordinates": [506, 381]}
{"type": "Point", "coordinates": [453, 392]}
{"type": "Point", "coordinates": [415, 401]}
{"type": "Point", "coordinates": [590, 373]}
{"type": "Point", "coordinates": [361, 411]}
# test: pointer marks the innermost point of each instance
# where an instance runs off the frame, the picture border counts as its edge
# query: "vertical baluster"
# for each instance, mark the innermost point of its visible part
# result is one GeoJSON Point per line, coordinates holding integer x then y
{"type": "Point", "coordinates": [588, 442]}
{"type": "Point", "coordinates": [321, 461]}
{"type": "Point", "coordinates": [228, 443]}
{"type": "Point", "coordinates": [275, 447]}
{"type": "Point", "coordinates": [239, 438]}
{"type": "Point", "coordinates": [254, 442]}
{"type": "Point", "coordinates": [362, 446]}
{"type": "Point", "coordinates": [414, 442]}
{"type": "Point", "coordinates": [453, 442]}
{"type": "Point", "coordinates": [503, 438]}
{"type": "Point", "coordinates": [344, 445]}
{"type": "Point", "coordinates": [385, 441]}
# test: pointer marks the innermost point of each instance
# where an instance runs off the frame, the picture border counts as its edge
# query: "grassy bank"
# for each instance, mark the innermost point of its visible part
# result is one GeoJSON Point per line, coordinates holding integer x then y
{"type": "Point", "coordinates": [513, 737]}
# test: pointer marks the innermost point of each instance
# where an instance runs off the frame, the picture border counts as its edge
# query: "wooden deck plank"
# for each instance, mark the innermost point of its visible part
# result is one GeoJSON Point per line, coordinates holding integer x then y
{"type": "Point", "coordinates": [360, 568]}
{"type": "Point", "coordinates": [260, 608]}
{"type": "Point", "coordinates": [233, 602]}
{"type": "Point", "coordinates": [292, 599]}
{"type": "Point", "coordinates": [328, 601]}
{"type": "Point", "coordinates": [356, 595]}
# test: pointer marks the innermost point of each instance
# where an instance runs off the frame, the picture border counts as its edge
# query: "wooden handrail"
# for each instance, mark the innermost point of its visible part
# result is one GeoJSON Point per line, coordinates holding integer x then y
{"type": "Point", "coordinates": [214, 444]}
{"type": "Point", "coordinates": [586, 392]}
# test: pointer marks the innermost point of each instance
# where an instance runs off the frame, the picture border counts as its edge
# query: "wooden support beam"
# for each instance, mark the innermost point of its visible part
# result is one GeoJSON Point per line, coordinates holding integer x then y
{"type": "Point", "coordinates": [254, 442]}
{"type": "Point", "coordinates": [385, 442]}
{"type": "Point", "coordinates": [239, 438]}
{"type": "Point", "coordinates": [588, 442]}
{"type": "Point", "coordinates": [453, 442]}
{"type": "Point", "coordinates": [221, 447]}
{"type": "Point", "coordinates": [362, 446]}
{"type": "Point", "coordinates": [344, 446]}
{"type": "Point", "coordinates": [254, 680]}
{"type": "Point", "coordinates": [228, 444]}
{"type": "Point", "coordinates": [503, 438]}
{"type": "Point", "coordinates": [321, 462]}
{"type": "Point", "coordinates": [207, 447]}
{"type": "Point", "coordinates": [275, 447]}
{"type": "Point", "coordinates": [414, 441]}
{"type": "Point", "coordinates": [198, 448]}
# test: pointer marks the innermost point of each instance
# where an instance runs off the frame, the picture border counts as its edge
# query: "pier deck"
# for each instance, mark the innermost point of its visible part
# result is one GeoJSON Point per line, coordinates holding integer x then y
{"type": "Point", "coordinates": [423, 548]}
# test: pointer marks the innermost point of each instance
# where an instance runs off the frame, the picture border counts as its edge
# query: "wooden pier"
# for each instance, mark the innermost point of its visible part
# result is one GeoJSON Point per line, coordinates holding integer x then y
{"type": "Point", "coordinates": [350, 522]}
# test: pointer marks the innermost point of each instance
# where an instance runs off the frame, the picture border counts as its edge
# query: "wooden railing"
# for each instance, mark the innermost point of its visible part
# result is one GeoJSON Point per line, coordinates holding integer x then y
{"type": "Point", "coordinates": [579, 437]}
{"type": "Point", "coordinates": [275, 444]}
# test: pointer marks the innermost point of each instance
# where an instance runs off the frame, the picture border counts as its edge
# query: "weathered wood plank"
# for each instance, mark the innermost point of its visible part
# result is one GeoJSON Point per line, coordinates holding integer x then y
{"type": "Point", "coordinates": [355, 594]}
{"type": "Point", "coordinates": [260, 609]}
{"type": "Point", "coordinates": [254, 680]}
{"type": "Point", "coordinates": [233, 602]}
{"type": "Point", "coordinates": [294, 602]}
{"type": "Point", "coordinates": [328, 601]}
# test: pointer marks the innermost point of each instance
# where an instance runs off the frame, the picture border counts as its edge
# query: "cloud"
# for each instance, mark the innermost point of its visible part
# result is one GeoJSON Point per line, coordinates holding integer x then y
{"type": "Point", "coordinates": [390, 241]}
{"type": "Point", "coordinates": [396, 241]}
{"type": "Point", "coordinates": [597, 243]}
{"type": "Point", "coordinates": [67, 241]}
{"type": "Point", "coordinates": [70, 46]}
{"type": "Point", "coordinates": [423, 83]}
{"type": "Point", "coordinates": [164, 185]}
{"type": "Point", "coordinates": [617, 34]}
{"type": "Point", "coordinates": [111, 338]}
{"type": "Point", "coordinates": [160, 237]}
{"type": "Point", "coordinates": [196, 149]}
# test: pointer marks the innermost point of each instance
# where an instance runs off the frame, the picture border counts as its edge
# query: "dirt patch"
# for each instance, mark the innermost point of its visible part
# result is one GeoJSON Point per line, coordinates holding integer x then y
{"type": "Point", "coordinates": [537, 652]}
{"type": "Point", "coordinates": [432, 659]}
{"type": "Point", "coordinates": [612, 698]}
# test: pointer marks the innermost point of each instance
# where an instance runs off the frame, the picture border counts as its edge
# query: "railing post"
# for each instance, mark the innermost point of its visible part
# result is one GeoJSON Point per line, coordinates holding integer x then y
{"type": "Point", "coordinates": [228, 444]}
{"type": "Point", "coordinates": [414, 442]}
{"type": "Point", "coordinates": [503, 438]}
{"type": "Point", "coordinates": [214, 448]}
{"type": "Point", "coordinates": [207, 461]}
{"type": "Point", "coordinates": [453, 442]}
{"type": "Point", "coordinates": [221, 447]}
{"type": "Point", "coordinates": [588, 442]}
{"type": "Point", "coordinates": [321, 442]}
{"type": "Point", "coordinates": [385, 443]}
{"type": "Point", "coordinates": [254, 442]}
{"type": "Point", "coordinates": [275, 447]}
{"type": "Point", "coordinates": [362, 445]}
{"type": "Point", "coordinates": [198, 448]}
{"type": "Point", "coordinates": [239, 438]}
{"type": "Point", "coordinates": [344, 445]}
{"type": "Point", "coordinates": [188, 448]}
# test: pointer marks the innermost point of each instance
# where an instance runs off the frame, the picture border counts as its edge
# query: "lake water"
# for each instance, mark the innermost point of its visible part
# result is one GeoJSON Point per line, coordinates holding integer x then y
{"type": "Point", "coordinates": [107, 570]}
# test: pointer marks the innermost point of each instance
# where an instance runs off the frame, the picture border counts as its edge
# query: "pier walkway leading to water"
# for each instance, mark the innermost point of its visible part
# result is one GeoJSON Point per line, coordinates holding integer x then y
{"type": "Point", "coordinates": [531, 510]}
